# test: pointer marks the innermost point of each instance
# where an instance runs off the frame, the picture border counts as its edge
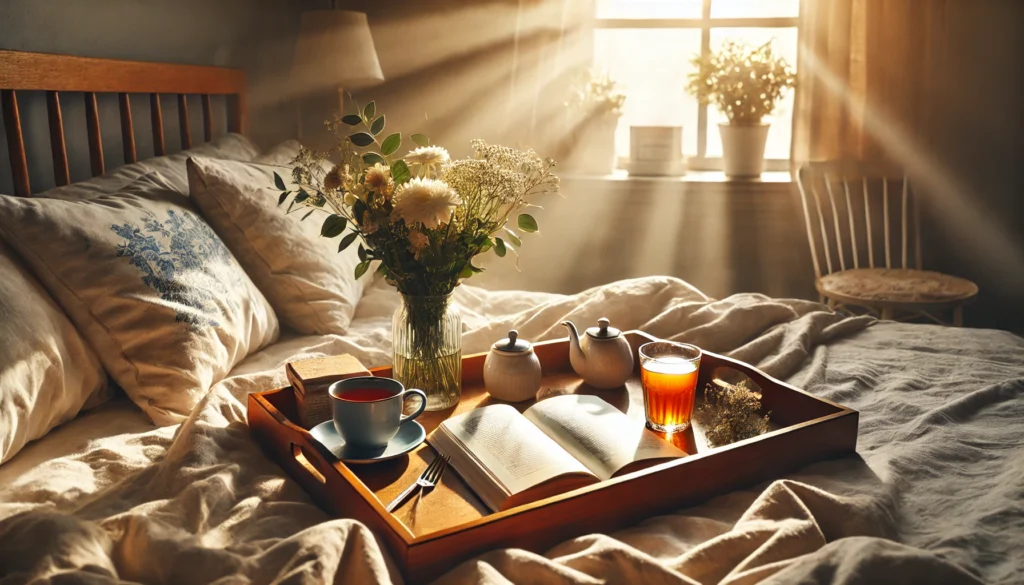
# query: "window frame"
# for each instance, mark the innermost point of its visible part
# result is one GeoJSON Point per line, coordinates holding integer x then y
{"type": "Point", "coordinates": [706, 23]}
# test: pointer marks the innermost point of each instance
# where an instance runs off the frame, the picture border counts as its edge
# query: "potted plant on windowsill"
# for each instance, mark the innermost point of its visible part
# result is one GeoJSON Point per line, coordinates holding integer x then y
{"type": "Point", "coordinates": [745, 83]}
{"type": "Point", "coordinates": [595, 107]}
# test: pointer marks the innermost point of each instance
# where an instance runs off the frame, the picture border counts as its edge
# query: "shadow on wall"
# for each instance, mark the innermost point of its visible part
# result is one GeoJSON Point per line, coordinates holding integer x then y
{"type": "Point", "coordinates": [494, 70]}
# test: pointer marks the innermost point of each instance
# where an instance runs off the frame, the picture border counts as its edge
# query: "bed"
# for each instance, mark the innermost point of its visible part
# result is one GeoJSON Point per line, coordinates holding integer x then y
{"type": "Point", "coordinates": [935, 493]}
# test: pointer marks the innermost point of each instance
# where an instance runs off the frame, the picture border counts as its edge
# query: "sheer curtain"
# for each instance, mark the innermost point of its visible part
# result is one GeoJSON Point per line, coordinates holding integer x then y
{"type": "Point", "coordinates": [865, 67]}
{"type": "Point", "coordinates": [933, 86]}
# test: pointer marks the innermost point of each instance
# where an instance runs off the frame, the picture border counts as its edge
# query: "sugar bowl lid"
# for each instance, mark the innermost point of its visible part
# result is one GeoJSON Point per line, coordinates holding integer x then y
{"type": "Point", "coordinates": [512, 344]}
{"type": "Point", "coordinates": [604, 330]}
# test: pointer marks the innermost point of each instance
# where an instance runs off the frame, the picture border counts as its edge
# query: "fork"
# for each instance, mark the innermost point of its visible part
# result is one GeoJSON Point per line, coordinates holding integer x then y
{"type": "Point", "coordinates": [427, 480]}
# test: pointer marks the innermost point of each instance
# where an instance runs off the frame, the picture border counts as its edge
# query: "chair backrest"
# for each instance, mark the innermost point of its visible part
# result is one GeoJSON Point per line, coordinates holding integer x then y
{"type": "Point", "coordinates": [849, 211]}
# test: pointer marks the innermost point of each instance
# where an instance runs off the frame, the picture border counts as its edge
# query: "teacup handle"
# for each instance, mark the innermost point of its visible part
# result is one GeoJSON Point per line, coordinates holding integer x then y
{"type": "Point", "coordinates": [423, 404]}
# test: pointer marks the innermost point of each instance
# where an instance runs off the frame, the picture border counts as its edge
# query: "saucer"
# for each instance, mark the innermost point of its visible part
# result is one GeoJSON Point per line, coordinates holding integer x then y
{"type": "Point", "coordinates": [409, 436]}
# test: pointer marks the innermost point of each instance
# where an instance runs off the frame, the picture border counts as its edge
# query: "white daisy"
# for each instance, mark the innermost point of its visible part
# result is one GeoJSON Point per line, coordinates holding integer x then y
{"type": "Point", "coordinates": [425, 201]}
{"type": "Point", "coordinates": [427, 156]}
{"type": "Point", "coordinates": [378, 178]}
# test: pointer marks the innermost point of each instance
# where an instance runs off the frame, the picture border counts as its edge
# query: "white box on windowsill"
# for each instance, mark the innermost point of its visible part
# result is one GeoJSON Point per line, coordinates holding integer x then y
{"type": "Point", "coordinates": [656, 151]}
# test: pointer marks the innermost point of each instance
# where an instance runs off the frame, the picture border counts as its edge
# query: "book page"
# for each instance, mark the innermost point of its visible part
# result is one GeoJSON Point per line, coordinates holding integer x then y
{"type": "Point", "coordinates": [510, 448]}
{"type": "Point", "coordinates": [597, 434]}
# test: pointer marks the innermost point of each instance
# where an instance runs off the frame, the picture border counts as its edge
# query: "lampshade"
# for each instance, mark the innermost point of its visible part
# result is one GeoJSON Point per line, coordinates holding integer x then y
{"type": "Point", "coordinates": [334, 49]}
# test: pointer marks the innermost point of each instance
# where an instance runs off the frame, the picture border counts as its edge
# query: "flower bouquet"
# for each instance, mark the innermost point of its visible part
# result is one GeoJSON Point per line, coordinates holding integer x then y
{"type": "Point", "coordinates": [422, 218]}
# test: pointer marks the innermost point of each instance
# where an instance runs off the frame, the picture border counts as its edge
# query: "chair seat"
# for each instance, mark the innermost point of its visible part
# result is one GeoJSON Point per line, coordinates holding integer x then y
{"type": "Point", "coordinates": [900, 286]}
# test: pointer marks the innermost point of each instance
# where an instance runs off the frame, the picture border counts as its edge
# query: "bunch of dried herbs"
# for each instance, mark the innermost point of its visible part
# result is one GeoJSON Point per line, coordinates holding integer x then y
{"type": "Point", "coordinates": [731, 413]}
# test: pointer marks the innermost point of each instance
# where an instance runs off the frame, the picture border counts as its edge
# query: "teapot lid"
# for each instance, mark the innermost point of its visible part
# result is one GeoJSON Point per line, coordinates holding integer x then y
{"type": "Point", "coordinates": [603, 330]}
{"type": "Point", "coordinates": [512, 344]}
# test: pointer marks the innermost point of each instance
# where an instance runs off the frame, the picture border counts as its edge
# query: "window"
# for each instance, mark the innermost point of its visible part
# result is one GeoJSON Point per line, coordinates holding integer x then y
{"type": "Point", "coordinates": [646, 46]}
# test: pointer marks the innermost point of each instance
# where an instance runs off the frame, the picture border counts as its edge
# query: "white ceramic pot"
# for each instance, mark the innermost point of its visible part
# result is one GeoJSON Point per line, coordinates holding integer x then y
{"type": "Point", "coordinates": [595, 147]}
{"type": "Point", "coordinates": [512, 371]}
{"type": "Point", "coordinates": [743, 149]}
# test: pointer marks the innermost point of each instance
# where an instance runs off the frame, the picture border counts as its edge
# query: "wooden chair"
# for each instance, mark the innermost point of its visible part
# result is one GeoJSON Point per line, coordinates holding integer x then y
{"type": "Point", "coordinates": [849, 211]}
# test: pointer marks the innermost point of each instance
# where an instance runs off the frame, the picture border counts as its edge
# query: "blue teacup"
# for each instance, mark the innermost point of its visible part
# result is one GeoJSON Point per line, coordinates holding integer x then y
{"type": "Point", "coordinates": [368, 410]}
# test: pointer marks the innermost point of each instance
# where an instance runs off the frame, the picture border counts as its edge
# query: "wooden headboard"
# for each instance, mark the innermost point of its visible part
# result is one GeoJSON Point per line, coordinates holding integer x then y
{"type": "Point", "coordinates": [22, 71]}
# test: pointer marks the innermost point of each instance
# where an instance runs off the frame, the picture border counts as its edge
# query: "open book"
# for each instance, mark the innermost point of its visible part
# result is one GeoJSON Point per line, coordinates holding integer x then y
{"type": "Point", "coordinates": [557, 445]}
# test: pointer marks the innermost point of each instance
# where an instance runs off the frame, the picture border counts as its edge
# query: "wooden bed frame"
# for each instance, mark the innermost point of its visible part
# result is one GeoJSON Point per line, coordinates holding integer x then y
{"type": "Point", "coordinates": [23, 71]}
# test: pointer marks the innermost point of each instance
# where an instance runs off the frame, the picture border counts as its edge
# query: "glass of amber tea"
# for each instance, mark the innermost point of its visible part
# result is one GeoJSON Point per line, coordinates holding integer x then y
{"type": "Point", "coordinates": [668, 372]}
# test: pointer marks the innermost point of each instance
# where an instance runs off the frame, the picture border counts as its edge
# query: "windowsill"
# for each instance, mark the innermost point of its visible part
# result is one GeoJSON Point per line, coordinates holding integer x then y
{"type": "Point", "coordinates": [697, 177]}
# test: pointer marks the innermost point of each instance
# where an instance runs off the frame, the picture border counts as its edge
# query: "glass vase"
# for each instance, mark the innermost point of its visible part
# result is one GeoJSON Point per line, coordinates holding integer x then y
{"type": "Point", "coordinates": [427, 335]}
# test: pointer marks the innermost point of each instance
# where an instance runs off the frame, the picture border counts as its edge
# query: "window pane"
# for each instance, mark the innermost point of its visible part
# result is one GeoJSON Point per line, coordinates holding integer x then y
{"type": "Point", "coordinates": [651, 65]}
{"type": "Point", "coordinates": [754, 8]}
{"type": "Point", "coordinates": [649, 8]}
{"type": "Point", "coordinates": [780, 135]}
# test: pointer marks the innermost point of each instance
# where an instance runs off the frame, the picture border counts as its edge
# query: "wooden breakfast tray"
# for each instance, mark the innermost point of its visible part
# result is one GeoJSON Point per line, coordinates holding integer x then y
{"type": "Point", "coordinates": [431, 535]}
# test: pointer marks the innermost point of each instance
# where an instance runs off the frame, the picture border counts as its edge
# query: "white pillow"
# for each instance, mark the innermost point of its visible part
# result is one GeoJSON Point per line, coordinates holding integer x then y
{"type": "Point", "coordinates": [310, 285]}
{"type": "Point", "coordinates": [154, 290]}
{"type": "Point", "coordinates": [172, 167]}
{"type": "Point", "coordinates": [47, 372]}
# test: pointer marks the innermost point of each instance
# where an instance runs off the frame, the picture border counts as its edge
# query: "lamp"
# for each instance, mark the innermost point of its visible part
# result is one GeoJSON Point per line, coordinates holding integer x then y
{"type": "Point", "coordinates": [334, 50]}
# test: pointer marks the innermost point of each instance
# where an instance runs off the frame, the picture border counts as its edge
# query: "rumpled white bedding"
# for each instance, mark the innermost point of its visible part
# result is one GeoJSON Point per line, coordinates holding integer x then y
{"type": "Point", "coordinates": [936, 495]}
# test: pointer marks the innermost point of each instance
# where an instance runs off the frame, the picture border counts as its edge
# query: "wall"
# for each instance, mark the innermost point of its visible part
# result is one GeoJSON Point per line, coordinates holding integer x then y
{"type": "Point", "coordinates": [256, 35]}
{"type": "Point", "coordinates": [975, 141]}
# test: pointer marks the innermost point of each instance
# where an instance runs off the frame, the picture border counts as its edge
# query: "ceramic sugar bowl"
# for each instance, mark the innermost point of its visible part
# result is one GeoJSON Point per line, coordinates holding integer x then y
{"type": "Point", "coordinates": [512, 371]}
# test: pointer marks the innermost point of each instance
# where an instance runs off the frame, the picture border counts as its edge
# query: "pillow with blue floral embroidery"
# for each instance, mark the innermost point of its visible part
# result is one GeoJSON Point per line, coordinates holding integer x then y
{"type": "Point", "coordinates": [156, 293]}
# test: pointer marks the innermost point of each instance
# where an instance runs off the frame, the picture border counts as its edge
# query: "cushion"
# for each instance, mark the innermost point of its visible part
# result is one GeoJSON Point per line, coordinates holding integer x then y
{"type": "Point", "coordinates": [152, 288]}
{"type": "Point", "coordinates": [897, 286]}
{"type": "Point", "coordinates": [310, 285]}
{"type": "Point", "coordinates": [172, 167]}
{"type": "Point", "coordinates": [47, 371]}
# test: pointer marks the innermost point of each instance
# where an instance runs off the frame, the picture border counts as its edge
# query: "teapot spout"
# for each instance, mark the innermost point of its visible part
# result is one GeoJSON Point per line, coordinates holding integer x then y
{"type": "Point", "coordinates": [576, 355]}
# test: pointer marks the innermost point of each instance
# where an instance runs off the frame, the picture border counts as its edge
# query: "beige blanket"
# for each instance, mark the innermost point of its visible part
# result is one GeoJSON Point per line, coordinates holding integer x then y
{"type": "Point", "coordinates": [200, 504]}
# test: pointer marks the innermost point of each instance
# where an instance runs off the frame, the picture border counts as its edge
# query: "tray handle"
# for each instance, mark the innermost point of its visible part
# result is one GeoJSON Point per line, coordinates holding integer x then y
{"type": "Point", "coordinates": [306, 461]}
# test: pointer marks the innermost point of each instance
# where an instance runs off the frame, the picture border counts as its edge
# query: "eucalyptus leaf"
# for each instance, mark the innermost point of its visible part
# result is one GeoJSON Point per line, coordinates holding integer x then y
{"type": "Point", "coordinates": [420, 139]}
{"type": "Point", "coordinates": [302, 196]}
{"type": "Point", "coordinates": [391, 144]}
{"type": "Point", "coordinates": [378, 125]}
{"type": "Point", "coordinates": [347, 241]}
{"type": "Point", "coordinates": [279, 182]}
{"type": "Point", "coordinates": [400, 172]}
{"type": "Point", "coordinates": [361, 138]}
{"type": "Point", "coordinates": [352, 119]}
{"type": "Point", "coordinates": [466, 272]}
{"type": "Point", "coordinates": [283, 198]}
{"type": "Point", "coordinates": [513, 238]}
{"type": "Point", "coordinates": [333, 226]}
{"type": "Point", "coordinates": [362, 253]}
{"type": "Point", "coordinates": [369, 111]}
{"type": "Point", "coordinates": [527, 223]}
{"type": "Point", "coordinates": [499, 247]}
{"type": "Point", "coordinates": [372, 158]}
{"type": "Point", "coordinates": [309, 213]}
{"type": "Point", "coordinates": [362, 267]}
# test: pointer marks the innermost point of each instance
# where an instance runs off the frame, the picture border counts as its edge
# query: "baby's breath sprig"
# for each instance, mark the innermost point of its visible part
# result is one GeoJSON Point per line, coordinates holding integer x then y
{"type": "Point", "coordinates": [744, 82]}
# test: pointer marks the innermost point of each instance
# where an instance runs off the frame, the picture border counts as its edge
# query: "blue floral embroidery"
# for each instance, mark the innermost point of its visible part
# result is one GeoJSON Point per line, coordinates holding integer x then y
{"type": "Point", "coordinates": [184, 261]}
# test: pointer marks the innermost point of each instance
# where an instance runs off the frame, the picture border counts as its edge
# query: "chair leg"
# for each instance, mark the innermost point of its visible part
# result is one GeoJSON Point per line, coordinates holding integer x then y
{"type": "Point", "coordinates": [958, 316]}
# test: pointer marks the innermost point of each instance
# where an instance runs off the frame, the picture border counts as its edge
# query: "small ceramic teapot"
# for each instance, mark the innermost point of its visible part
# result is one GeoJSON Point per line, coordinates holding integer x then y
{"type": "Point", "coordinates": [511, 369]}
{"type": "Point", "coordinates": [603, 357]}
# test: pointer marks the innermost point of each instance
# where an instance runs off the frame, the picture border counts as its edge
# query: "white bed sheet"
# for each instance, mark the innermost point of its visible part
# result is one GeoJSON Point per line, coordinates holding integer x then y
{"type": "Point", "coordinates": [939, 471]}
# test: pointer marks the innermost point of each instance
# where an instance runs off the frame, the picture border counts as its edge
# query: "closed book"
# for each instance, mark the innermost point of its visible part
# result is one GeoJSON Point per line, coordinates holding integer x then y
{"type": "Point", "coordinates": [312, 377]}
